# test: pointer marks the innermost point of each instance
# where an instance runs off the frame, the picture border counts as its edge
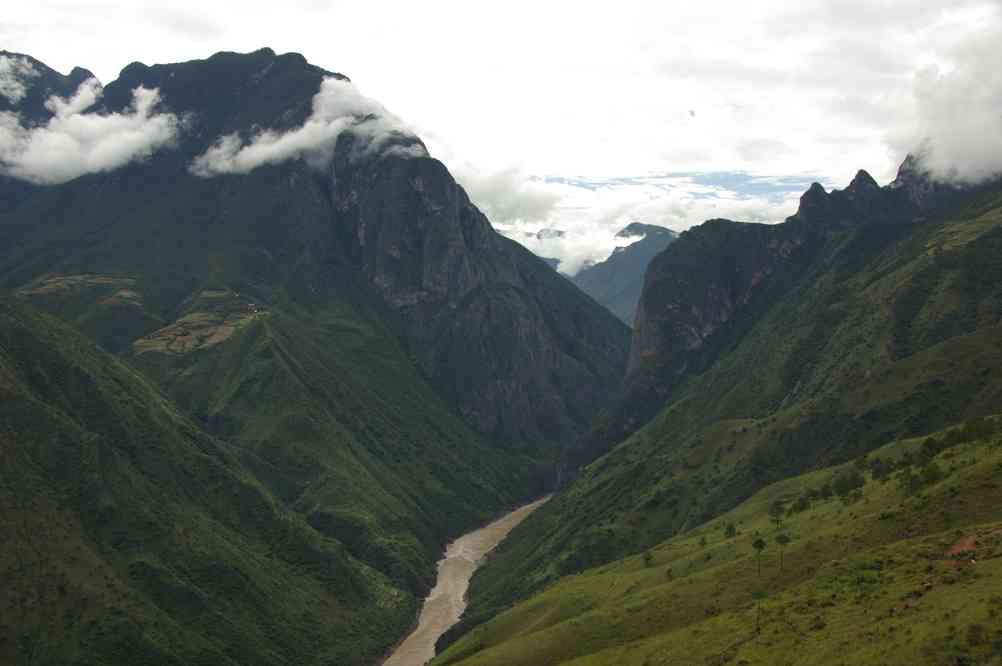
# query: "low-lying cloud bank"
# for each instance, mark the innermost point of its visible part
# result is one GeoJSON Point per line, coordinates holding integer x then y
{"type": "Point", "coordinates": [507, 195]}
{"type": "Point", "coordinates": [15, 73]}
{"type": "Point", "coordinates": [73, 143]}
{"type": "Point", "coordinates": [590, 212]}
{"type": "Point", "coordinates": [339, 106]}
{"type": "Point", "coordinates": [958, 129]}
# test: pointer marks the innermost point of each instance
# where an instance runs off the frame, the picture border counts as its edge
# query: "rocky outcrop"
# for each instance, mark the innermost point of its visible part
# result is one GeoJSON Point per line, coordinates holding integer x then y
{"type": "Point", "coordinates": [523, 354]}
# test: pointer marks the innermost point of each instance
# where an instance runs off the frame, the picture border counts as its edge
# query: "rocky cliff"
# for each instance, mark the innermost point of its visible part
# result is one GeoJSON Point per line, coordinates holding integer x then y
{"type": "Point", "coordinates": [523, 354]}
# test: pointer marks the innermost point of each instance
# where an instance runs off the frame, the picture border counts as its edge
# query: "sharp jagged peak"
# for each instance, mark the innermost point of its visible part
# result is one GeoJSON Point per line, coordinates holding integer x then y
{"type": "Point", "coordinates": [861, 200]}
{"type": "Point", "coordinates": [862, 182]}
{"type": "Point", "coordinates": [813, 202]}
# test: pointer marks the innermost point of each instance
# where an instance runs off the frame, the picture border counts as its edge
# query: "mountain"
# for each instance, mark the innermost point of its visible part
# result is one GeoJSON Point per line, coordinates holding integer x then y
{"type": "Point", "coordinates": [761, 352]}
{"type": "Point", "coordinates": [131, 534]}
{"type": "Point", "coordinates": [860, 564]}
{"type": "Point", "coordinates": [371, 354]}
{"type": "Point", "coordinates": [25, 86]}
{"type": "Point", "coordinates": [28, 84]}
{"type": "Point", "coordinates": [397, 224]}
{"type": "Point", "coordinates": [616, 282]}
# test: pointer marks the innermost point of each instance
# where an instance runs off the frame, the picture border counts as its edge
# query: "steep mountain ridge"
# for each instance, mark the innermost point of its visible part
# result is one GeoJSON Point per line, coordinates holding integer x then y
{"type": "Point", "coordinates": [521, 352]}
{"type": "Point", "coordinates": [398, 221]}
{"type": "Point", "coordinates": [762, 352]}
{"type": "Point", "coordinates": [350, 332]}
{"type": "Point", "coordinates": [33, 83]}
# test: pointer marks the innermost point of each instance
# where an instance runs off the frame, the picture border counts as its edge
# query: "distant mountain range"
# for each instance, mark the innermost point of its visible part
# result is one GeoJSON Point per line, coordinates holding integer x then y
{"type": "Point", "coordinates": [617, 282]}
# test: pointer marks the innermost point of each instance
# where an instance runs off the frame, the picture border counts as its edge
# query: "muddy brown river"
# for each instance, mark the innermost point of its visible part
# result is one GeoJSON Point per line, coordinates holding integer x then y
{"type": "Point", "coordinates": [447, 601]}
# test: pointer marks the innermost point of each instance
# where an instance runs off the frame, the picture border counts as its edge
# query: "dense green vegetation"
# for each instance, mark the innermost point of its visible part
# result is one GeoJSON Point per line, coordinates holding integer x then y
{"type": "Point", "coordinates": [874, 329]}
{"type": "Point", "coordinates": [892, 558]}
{"type": "Point", "coordinates": [129, 531]}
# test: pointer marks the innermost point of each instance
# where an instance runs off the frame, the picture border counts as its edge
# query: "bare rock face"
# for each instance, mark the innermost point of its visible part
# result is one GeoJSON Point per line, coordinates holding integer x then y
{"type": "Point", "coordinates": [526, 357]}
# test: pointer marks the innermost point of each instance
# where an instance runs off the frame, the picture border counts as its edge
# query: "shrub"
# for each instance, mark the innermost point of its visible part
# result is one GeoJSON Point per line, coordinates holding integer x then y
{"type": "Point", "coordinates": [803, 503]}
{"type": "Point", "coordinates": [880, 469]}
{"type": "Point", "coordinates": [846, 481]}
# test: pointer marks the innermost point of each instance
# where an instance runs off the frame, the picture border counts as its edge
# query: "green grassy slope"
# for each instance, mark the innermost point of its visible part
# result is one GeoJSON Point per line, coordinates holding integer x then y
{"type": "Point", "coordinates": [128, 531]}
{"type": "Point", "coordinates": [905, 568]}
{"type": "Point", "coordinates": [885, 332]}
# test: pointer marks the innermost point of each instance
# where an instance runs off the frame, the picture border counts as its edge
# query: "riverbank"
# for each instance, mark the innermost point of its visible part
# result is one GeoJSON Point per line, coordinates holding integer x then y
{"type": "Point", "coordinates": [446, 602]}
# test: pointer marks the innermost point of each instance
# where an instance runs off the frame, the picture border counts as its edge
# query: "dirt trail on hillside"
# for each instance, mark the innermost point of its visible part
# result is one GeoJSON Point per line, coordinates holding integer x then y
{"type": "Point", "coordinates": [447, 601]}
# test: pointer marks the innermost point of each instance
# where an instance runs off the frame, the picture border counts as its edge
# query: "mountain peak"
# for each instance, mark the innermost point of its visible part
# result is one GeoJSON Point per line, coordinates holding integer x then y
{"type": "Point", "coordinates": [862, 182]}
{"type": "Point", "coordinates": [26, 84]}
{"type": "Point", "coordinates": [914, 181]}
{"type": "Point", "coordinates": [813, 202]}
{"type": "Point", "coordinates": [79, 75]}
{"type": "Point", "coordinates": [639, 229]}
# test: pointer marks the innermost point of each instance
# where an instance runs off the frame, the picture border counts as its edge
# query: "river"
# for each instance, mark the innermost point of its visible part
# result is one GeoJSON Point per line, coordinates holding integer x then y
{"type": "Point", "coordinates": [447, 600]}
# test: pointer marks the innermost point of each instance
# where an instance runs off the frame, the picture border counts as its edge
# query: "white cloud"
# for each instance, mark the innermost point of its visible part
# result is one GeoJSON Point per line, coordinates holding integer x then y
{"type": "Point", "coordinates": [958, 126]}
{"type": "Point", "coordinates": [506, 196]}
{"type": "Point", "coordinates": [814, 89]}
{"type": "Point", "coordinates": [73, 143]}
{"type": "Point", "coordinates": [15, 72]}
{"type": "Point", "coordinates": [591, 211]}
{"type": "Point", "coordinates": [339, 106]}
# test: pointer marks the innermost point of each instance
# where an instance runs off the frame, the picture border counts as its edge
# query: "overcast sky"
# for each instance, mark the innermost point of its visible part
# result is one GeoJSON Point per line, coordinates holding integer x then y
{"type": "Point", "coordinates": [585, 116]}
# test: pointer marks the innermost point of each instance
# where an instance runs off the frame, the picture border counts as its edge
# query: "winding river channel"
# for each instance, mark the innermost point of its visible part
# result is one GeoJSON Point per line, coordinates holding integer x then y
{"type": "Point", "coordinates": [447, 601]}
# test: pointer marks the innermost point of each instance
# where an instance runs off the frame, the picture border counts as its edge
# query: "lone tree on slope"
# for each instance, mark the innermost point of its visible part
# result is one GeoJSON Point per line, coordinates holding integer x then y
{"type": "Point", "coordinates": [776, 511]}
{"type": "Point", "coordinates": [759, 545]}
{"type": "Point", "coordinates": [782, 540]}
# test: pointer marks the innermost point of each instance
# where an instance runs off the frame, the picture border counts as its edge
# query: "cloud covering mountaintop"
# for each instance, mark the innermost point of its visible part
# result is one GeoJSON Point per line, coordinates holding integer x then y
{"type": "Point", "coordinates": [338, 106]}
{"type": "Point", "coordinates": [74, 142]}
{"type": "Point", "coordinates": [15, 73]}
{"type": "Point", "coordinates": [913, 79]}
{"type": "Point", "coordinates": [76, 138]}
{"type": "Point", "coordinates": [957, 133]}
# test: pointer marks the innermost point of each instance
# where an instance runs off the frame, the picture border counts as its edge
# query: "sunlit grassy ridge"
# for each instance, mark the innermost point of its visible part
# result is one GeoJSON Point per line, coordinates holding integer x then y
{"type": "Point", "coordinates": [904, 569]}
